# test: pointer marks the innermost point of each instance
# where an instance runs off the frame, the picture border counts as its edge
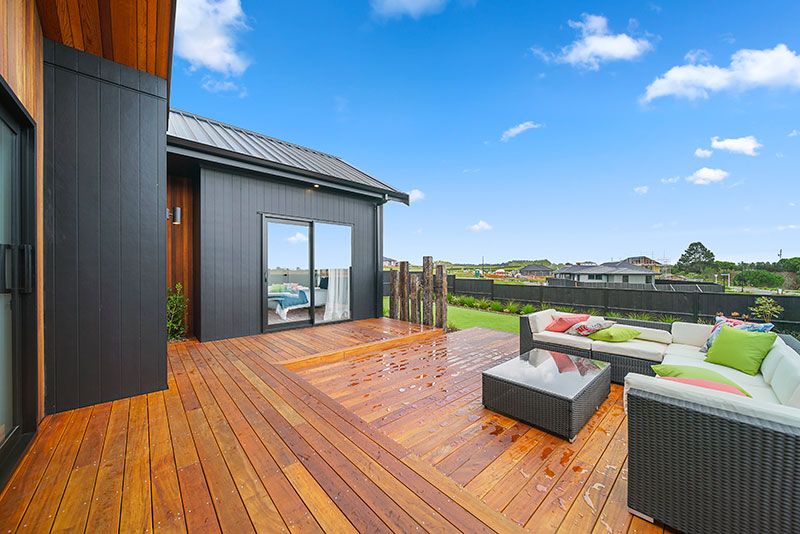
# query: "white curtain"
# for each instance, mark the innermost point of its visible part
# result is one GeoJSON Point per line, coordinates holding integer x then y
{"type": "Point", "coordinates": [337, 305]}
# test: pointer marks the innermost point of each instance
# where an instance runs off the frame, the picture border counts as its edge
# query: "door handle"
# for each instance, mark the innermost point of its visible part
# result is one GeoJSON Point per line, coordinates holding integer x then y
{"type": "Point", "coordinates": [21, 268]}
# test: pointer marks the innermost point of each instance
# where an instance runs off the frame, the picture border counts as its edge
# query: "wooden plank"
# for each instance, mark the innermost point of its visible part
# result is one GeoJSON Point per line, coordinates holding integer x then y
{"type": "Point", "coordinates": [414, 300]}
{"type": "Point", "coordinates": [137, 513]}
{"type": "Point", "coordinates": [89, 12]}
{"type": "Point", "coordinates": [441, 297]}
{"type": "Point", "coordinates": [74, 509]}
{"type": "Point", "coordinates": [163, 45]}
{"type": "Point", "coordinates": [168, 512]}
{"type": "Point", "coordinates": [614, 517]}
{"type": "Point", "coordinates": [394, 297]}
{"type": "Point", "coordinates": [104, 513]}
{"type": "Point", "coordinates": [403, 293]}
{"type": "Point", "coordinates": [427, 290]}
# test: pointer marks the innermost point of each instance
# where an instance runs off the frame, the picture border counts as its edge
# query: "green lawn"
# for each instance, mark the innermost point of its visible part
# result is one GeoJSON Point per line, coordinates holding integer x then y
{"type": "Point", "coordinates": [467, 318]}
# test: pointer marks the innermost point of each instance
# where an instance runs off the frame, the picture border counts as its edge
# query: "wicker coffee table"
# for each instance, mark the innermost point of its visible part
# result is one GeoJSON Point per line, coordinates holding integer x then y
{"type": "Point", "coordinates": [549, 390]}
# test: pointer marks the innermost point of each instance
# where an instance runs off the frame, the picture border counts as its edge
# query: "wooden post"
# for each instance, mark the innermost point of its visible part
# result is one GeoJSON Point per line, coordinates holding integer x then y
{"type": "Point", "coordinates": [427, 290]}
{"type": "Point", "coordinates": [441, 297]}
{"type": "Point", "coordinates": [394, 297]}
{"type": "Point", "coordinates": [414, 293]}
{"type": "Point", "coordinates": [403, 293]}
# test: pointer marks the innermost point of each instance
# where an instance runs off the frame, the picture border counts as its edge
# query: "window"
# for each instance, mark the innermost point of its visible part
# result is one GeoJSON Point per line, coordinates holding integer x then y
{"type": "Point", "coordinates": [332, 265]}
{"type": "Point", "coordinates": [595, 277]}
{"type": "Point", "coordinates": [648, 279]}
{"type": "Point", "coordinates": [625, 278]}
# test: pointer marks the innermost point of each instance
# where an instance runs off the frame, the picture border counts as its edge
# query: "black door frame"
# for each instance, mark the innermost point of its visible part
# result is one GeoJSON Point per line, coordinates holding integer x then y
{"type": "Point", "coordinates": [22, 285]}
{"type": "Point", "coordinates": [266, 218]}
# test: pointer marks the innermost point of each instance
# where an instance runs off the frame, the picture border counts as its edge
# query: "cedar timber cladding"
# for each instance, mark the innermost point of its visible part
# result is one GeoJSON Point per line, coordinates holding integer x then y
{"type": "Point", "coordinates": [105, 231]}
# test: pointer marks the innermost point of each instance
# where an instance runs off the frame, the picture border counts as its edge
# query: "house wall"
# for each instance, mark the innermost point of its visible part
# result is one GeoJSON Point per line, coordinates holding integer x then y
{"type": "Point", "coordinates": [230, 290]}
{"type": "Point", "coordinates": [105, 237]}
{"type": "Point", "coordinates": [180, 242]}
{"type": "Point", "coordinates": [21, 67]}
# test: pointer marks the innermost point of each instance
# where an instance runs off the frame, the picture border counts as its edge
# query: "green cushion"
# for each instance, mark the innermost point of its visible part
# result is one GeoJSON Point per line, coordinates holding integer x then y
{"type": "Point", "coordinates": [740, 349]}
{"type": "Point", "coordinates": [615, 335]}
{"type": "Point", "coordinates": [689, 371]}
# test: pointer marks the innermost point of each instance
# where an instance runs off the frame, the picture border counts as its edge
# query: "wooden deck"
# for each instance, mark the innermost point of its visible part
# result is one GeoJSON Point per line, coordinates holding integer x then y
{"type": "Point", "coordinates": [371, 426]}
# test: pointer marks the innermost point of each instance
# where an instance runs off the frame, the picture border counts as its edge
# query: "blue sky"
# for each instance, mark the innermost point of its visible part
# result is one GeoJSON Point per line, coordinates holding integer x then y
{"type": "Point", "coordinates": [572, 131]}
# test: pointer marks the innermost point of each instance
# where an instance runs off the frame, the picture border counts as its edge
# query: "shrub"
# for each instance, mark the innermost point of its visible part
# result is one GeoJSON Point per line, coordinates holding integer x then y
{"type": "Point", "coordinates": [641, 316]}
{"type": "Point", "coordinates": [451, 326]}
{"type": "Point", "coordinates": [758, 278]}
{"type": "Point", "coordinates": [565, 309]}
{"type": "Point", "coordinates": [177, 303]}
{"type": "Point", "coordinates": [483, 303]}
{"type": "Point", "coordinates": [613, 314]}
{"type": "Point", "coordinates": [451, 298]}
{"type": "Point", "coordinates": [668, 319]}
{"type": "Point", "coordinates": [461, 300]}
{"type": "Point", "coordinates": [512, 307]}
{"type": "Point", "coordinates": [766, 308]}
{"type": "Point", "coordinates": [497, 306]}
{"type": "Point", "coordinates": [469, 302]}
{"type": "Point", "coordinates": [528, 308]}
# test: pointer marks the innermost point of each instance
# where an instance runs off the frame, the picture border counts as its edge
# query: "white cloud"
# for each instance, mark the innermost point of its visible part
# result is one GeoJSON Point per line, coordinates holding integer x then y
{"type": "Point", "coordinates": [673, 180]}
{"type": "Point", "coordinates": [518, 129]}
{"type": "Point", "coordinates": [206, 32]}
{"type": "Point", "coordinates": [792, 204]}
{"type": "Point", "coordinates": [415, 195]}
{"type": "Point", "coordinates": [794, 133]}
{"type": "Point", "coordinates": [479, 226]}
{"type": "Point", "coordinates": [596, 45]}
{"type": "Point", "coordinates": [789, 227]}
{"type": "Point", "coordinates": [412, 8]}
{"type": "Point", "coordinates": [212, 85]}
{"type": "Point", "coordinates": [703, 153]}
{"type": "Point", "coordinates": [742, 145]}
{"type": "Point", "coordinates": [706, 176]}
{"type": "Point", "coordinates": [641, 190]}
{"type": "Point", "coordinates": [297, 238]}
{"type": "Point", "coordinates": [775, 67]}
{"type": "Point", "coordinates": [698, 56]}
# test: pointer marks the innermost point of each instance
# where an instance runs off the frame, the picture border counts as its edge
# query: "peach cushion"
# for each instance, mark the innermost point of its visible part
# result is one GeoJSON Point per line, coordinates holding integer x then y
{"type": "Point", "coordinates": [705, 384]}
{"type": "Point", "coordinates": [562, 323]}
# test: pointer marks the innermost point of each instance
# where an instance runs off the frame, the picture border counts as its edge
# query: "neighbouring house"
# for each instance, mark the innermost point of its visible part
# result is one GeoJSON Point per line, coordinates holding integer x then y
{"type": "Point", "coordinates": [647, 263]}
{"type": "Point", "coordinates": [111, 196]}
{"type": "Point", "coordinates": [612, 272]}
{"type": "Point", "coordinates": [390, 262]}
{"type": "Point", "coordinates": [537, 270]}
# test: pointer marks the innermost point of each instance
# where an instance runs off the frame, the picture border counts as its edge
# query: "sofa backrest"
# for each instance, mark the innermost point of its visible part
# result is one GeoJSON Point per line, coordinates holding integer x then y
{"type": "Point", "coordinates": [649, 334]}
{"type": "Point", "coordinates": [690, 333]}
{"type": "Point", "coordinates": [539, 320]}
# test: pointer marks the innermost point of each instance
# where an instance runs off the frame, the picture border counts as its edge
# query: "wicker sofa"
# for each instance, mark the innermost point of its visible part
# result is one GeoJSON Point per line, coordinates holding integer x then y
{"type": "Point", "coordinates": [702, 461]}
{"type": "Point", "coordinates": [656, 341]}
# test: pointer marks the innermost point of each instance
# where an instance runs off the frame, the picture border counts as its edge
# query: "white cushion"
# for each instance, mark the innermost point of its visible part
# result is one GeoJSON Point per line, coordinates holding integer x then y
{"type": "Point", "coordinates": [649, 334]}
{"type": "Point", "coordinates": [539, 320]}
{"type": "Point", "coordinates": [742, 379]}
{"type": "Point", "coordinates": [774, 356]}
{"type": "Point", "coordinates": [560, 338]}
{"type": "Point", "coordinates": [635, 348]}
{"type": "Point", "coordinates": [786, 380]}
{"type": "Point", "coordinates": [690, 333]}
{"type": "Point", "coordinates": [685, 351]}
{"type": "Point", "coordinates": [715, 399]}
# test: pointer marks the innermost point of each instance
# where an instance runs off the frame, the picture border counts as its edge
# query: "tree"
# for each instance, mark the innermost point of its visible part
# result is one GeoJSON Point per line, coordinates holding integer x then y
{"type": "Point", "coordinates": [758, 278]}
{"type": "Point", "coordinates": [766, 308]}
{"type": "Point", "coordinates": [695, 258]}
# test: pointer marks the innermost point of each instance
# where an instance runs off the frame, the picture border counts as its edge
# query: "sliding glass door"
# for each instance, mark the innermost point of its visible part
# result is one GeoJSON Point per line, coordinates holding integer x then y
{"type": "Point", "coordinates": [307, 269]}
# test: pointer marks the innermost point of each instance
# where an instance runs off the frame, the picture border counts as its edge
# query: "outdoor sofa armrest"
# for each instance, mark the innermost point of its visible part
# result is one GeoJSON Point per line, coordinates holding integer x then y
{"type": "Point", "coordinates": [697, 467]}
{"type": "Point", "coordinates": [525, 334]}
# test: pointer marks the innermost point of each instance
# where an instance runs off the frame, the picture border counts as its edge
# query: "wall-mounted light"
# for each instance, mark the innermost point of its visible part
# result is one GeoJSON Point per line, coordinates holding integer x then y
{"type": "Point", "coordinates": [175, 214]}
{"type": "Point", "coordinates": [316, 186]}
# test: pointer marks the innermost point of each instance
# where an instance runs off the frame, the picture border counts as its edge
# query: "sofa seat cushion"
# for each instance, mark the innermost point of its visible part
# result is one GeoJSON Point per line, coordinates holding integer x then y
{"type": "Point", "coordinates": [650, 334]}
{"type": "Point", "coordinates": [690, 333]}
{"type": "Point", "coordinates": [754, 385]}
{"type": "Point", "coordinates": [686, 351]}
{"type": "Point", "coordinates": [635, 348]}
{"type": "Point", "coordinates": [577, 342]}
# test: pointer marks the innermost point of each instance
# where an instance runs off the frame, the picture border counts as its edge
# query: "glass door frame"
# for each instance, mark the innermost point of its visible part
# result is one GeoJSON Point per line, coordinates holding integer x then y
{"type": "Point", "coordinates": [22, 286]}
{"type": "Point", "coordinates": [267, 218]}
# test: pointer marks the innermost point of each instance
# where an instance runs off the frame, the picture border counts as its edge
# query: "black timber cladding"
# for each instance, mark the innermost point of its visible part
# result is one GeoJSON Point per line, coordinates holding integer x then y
{"type": "Point", "coordinates": [104, 229]}
{"type": "Point", "coordinates": [231, 207]}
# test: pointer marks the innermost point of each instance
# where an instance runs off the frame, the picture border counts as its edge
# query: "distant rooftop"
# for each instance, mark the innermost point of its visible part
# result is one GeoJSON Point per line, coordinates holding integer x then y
{"type": "Point", "coordinates": [536, 267]}
{"type": "Point", "coordinates": [610, 267]}
{"type": "Point", "coordinates": [204, 133]}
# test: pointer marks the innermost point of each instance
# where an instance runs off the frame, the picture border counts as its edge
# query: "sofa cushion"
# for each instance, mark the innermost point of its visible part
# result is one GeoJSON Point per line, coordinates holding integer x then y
{"type": "Point", "coordinates": [539, 320]}
{"type": "Point", "coordinates": [564, 322]}
{"type": "Point", "coordinates": [589, 326]}
{"type": "Point", "coordinates": [774, 356]}
{"type": "Point", "coordinates": [686, 351]}
{"type": "Point", "coordinates": [738, 324]}
{"type": "Point", "coordinates": [690, 333]}
{"type": "Point", "coordinates": [635, 348]}
{"type": "Point", "coordinates": [751, 407]}
{"type": "Point", "coordinates": [708, 384]}
{"type": "Point", "coordinates": [578, 342]}
{"type": "Point", "coordinates": [743, 379]}
{"type": "Point", "coordinates": [692, 371]}
{"type": "Point", "coordinates": [786, 381]}
{"type": "Point", "coordinates": [615, 334]}
{"type": "Point", "coordinates": [741, 349]}
{"type": "Point", "coordinates": [651, 334]}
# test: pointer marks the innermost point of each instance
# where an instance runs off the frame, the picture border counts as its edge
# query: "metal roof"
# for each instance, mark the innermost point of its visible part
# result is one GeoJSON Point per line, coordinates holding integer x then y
{"type": "Point", "coordinates": [197, 130]}
{"type": "Point", "coordinates": [536, 267]}
{"type": "Point", "coordinates": [611, 267]}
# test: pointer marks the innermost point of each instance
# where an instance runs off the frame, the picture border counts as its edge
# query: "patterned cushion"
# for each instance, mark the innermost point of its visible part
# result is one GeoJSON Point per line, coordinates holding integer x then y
{"type": "Point", "coordinates": [590, 326]}
{"type": "Point", "coordinates": [564, 322]}
{"type": "Point", "coordinates": [737, 324]}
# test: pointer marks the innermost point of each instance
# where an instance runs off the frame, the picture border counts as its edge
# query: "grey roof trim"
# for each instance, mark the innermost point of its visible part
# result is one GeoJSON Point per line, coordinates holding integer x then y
{"type": "Point", "coordinates": [618, 267]}
{"type": "Point", "coordinates": [536, 267]}
{"type": "Point", "coordinates": [208, 135]}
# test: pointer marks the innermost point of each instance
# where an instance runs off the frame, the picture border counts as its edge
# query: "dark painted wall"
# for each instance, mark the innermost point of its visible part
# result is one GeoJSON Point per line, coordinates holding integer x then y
{"type": "Point", "coordinates": [230, 246]}
{"type": "Point", "coordinates": [105, 230]}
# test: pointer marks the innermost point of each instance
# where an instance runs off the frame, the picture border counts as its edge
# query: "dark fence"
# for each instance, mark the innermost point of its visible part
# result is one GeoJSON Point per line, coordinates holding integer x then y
{"type": "Point", "coordinates": [658, 285]}
{"type": "Point", "coordinates": [687, 306]}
